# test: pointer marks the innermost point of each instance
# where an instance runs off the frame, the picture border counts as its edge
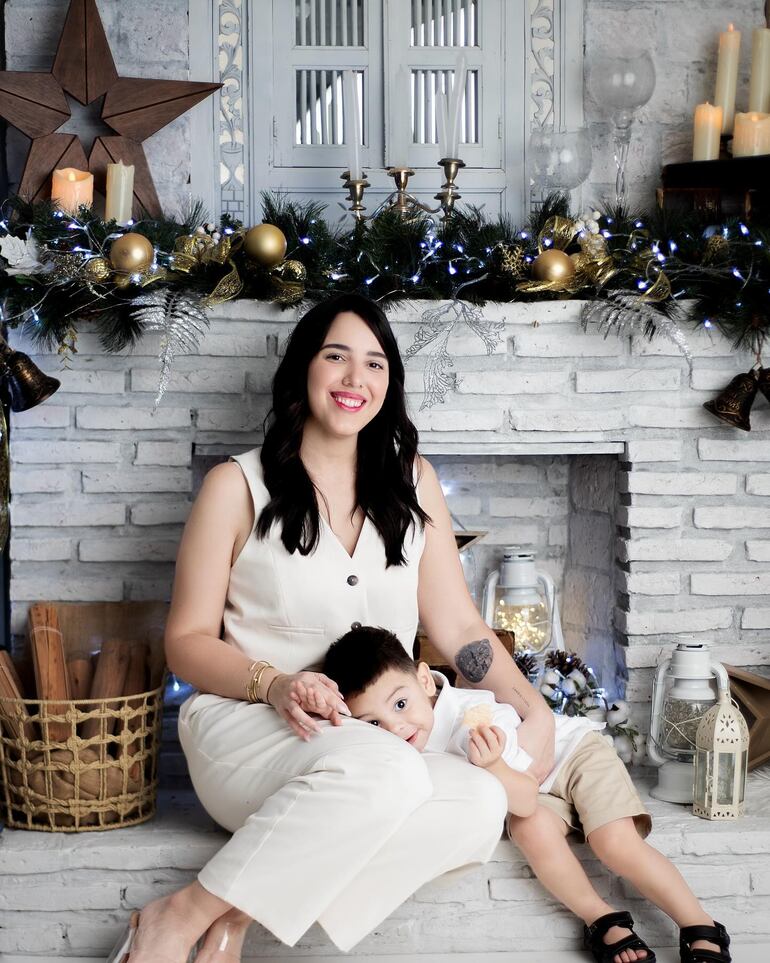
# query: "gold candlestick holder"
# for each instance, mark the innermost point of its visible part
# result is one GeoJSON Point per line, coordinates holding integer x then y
{"type": "Point", "coordinates": [355, 189]}
{"type": "Point", "coordinates": [449, 193]}
{"type": "Point", "coordinates": [401, 200]}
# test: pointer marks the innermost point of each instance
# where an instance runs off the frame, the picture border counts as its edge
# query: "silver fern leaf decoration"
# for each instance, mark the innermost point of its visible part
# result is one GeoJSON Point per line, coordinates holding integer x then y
{"type": "Point", "coordinates": [624, 312]}
{"type": "Point", "coordinates": [437, 325]}
{"type": "Point", "coordinates": [181, 321]}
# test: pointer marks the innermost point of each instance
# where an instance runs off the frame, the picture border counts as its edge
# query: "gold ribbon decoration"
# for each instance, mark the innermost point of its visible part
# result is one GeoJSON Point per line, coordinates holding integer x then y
{"type": "Point", "coordinates": [227, 288]}
{"type": "Point", "coordinates": [288, 279]}
{"type": "Point", "coordinates": [556, 235]}
{"type": "Point", "coordinates": [717, 249]}
{"type": "Point", "coordinates": [193, 251]}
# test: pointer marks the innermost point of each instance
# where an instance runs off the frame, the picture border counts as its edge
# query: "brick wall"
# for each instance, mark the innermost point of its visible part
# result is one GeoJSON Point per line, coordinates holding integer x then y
{"type": "Point", "coordinates": [101, 483]}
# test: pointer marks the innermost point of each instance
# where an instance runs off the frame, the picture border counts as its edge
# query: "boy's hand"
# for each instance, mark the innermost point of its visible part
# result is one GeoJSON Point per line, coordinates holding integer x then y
{"type": "Point", "coordinates": [485, 745]}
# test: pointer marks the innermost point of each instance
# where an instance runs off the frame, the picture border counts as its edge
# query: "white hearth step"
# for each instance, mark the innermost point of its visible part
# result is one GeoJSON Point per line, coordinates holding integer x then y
{"type": "Point", "coordinates": [66, 896]}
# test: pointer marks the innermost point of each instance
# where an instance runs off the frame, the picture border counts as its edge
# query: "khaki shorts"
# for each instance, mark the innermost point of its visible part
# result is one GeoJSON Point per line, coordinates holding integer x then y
{"type": "Point", "coordinates": [593, 788]}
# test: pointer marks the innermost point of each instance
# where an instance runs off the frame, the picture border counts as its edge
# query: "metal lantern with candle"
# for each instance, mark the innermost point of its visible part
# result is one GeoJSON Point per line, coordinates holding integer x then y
{"type": "Point", "coordinates": [522, 600]}
{"type": "Point", "coordinates": [721, 761]}
{"type": "Point", "coordinates": [685, 688]}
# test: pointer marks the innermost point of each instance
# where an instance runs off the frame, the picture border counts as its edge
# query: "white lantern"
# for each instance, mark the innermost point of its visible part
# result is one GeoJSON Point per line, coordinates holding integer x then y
{"type": "Point", "coordinates": [522, 600]}
{"type": "Point", "coordinates": [682, 692]}
{"type": "Point", "coordinates": [721, 762]}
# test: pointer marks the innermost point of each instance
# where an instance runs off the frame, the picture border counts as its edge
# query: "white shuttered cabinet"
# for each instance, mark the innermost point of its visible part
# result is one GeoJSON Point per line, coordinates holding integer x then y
{"type": "Point", "coordinates": [283, 64]}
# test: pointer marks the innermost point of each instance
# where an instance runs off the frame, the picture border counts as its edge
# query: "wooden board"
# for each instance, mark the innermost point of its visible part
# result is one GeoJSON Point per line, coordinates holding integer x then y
{"type": "Point", "coordinates": [752, 693]}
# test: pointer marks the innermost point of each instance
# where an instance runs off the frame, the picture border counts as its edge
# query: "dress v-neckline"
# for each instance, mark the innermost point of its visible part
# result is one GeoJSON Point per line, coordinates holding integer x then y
{"type": "Point", "coordinates": [336, 538]}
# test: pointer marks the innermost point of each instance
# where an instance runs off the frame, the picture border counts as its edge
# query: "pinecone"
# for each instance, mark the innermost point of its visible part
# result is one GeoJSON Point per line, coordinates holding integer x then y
{"type": "Point", "coordinates": [526, 664]}
{"type": "Point", "coordinates": [565, 662]}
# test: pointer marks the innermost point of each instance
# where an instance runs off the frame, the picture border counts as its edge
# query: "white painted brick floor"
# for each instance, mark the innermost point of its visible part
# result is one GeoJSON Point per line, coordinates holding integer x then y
{"type": "Point", "coordinates": [65, 896]}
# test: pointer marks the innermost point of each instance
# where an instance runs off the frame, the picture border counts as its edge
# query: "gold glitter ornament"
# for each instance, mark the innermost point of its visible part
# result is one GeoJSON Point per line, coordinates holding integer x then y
{"type": "Point", "coordinates": [265, 244]}
{"type": "Point", "coordinates": [512, 260]}
{"type": "Point", "coordinates": [66, 267]}
{"type": "Point", "coordinates": [131, 253]}
{"type": "Point", "coordinates": [96, 270]}
{"type": "Point", "coordinates": [289, 282]}
{"type": "Point", "coordinates": [553, 265]}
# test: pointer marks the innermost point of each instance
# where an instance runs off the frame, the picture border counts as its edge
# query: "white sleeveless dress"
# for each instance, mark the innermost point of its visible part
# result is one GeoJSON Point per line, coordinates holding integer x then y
{"type": "Point", "coordinates": [342, 828]}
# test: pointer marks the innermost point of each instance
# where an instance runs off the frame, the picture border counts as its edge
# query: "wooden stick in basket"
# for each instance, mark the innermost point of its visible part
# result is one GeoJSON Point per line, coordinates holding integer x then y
{"type": "Point", "coordinates": [108, 682]}
{"type": "Point", "coordinates": [10, 688]}
{"type": "Point", "coordinates": [80, 675]}
{"type": "Point", "coordinates": [136, 682]}
{"type": "Point", "coordinates": [50, 668]}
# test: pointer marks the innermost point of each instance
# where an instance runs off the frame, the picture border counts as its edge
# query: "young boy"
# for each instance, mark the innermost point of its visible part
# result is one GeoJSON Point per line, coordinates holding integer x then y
{"type": "Point", "coordinates": [588, 790]}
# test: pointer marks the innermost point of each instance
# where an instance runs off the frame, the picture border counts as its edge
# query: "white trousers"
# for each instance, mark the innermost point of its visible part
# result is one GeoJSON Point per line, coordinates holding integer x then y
{"type": "Point", "coordinates": [339, 830]}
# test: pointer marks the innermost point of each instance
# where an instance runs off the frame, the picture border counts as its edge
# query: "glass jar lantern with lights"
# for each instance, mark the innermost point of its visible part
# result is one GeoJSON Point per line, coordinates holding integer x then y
{"type": "Point", "coordinates": [685, 687]}
{"type": "Point", "coordinates": [522, 600]}
{"type": "Point", "coordinates": [721, 761]}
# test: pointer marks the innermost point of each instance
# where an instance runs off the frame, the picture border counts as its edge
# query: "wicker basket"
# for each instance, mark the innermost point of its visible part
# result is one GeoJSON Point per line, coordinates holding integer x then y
{"type": "Point", "coordinates": [54, 779]}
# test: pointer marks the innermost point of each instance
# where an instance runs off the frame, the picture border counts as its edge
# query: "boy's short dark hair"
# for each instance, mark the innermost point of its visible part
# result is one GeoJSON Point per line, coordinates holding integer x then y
{"type": "Point", "coordinates": [361, 656]}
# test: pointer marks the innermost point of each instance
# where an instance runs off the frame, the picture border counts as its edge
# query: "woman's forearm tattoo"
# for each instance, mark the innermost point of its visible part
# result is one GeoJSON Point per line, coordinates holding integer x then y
{"type": "Point", "coordinates": [520, 695]}
{"type": "Point", "coordinates": [474, 660]}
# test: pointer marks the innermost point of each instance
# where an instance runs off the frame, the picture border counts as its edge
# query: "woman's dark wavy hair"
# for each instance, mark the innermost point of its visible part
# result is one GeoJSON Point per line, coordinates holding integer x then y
{"type": "Point", "coordinates": [387, 446]}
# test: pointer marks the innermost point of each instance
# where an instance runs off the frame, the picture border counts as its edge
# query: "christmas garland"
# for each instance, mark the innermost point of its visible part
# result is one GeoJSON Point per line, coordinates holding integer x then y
{"type": "Point", "coordinates": [653, 273]}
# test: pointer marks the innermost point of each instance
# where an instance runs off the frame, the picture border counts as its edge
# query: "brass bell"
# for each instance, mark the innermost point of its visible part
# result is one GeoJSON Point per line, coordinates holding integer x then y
{"type": "Point", "coordinates": [26, 384]}
{"type": "Point", "coordinates": [734, 403]}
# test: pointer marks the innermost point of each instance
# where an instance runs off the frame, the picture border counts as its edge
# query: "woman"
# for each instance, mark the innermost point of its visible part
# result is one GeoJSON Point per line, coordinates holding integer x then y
{"type": "Point", "coordinates": [335, 521]}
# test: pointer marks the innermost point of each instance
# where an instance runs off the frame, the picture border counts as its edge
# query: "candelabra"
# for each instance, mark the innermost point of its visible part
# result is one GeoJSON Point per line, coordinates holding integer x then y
{"type": "Point", "coordinates": [401, 200]}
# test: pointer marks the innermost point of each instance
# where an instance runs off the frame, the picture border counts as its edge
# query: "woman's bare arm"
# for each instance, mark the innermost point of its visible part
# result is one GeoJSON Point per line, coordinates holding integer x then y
{"type": "Point", "coordinates": [219, 524]}
{"type": "Point", "coordinates": [454, 626]}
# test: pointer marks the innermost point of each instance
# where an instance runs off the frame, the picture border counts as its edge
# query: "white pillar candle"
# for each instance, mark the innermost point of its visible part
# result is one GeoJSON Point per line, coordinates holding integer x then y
{"type": "Point", "coordinates": [708, 128]}
{"type": "Point", "coordinates": [120, 192]}
{"type": "Point", "coordinates": [759, 88]}
{"type": "Point", "coordinates": [441, 124]}
{"type": "Point", "coordinates": [400, 120]}
{"type": "Point", "coordinates": [727, 75]}
{"type": "Point", "coordinates": [352, 119]}
{"type": "Point", "coordinates": [751, 135]}
{"type": "Point", "coordinates": [455, 107]}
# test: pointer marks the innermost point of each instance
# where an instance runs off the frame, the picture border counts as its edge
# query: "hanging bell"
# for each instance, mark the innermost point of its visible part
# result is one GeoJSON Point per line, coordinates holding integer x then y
{"type": "Point", "coordinates": [734, 403]}
{"type": "Point", "coordinates": [26, 385]}
{"type": "Point", "coordinates": [763, 380]}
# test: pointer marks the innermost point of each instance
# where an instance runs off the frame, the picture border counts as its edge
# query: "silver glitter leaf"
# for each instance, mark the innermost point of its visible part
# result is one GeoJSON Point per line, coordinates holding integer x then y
{"type": "Point", "coordinates": [181, 321]}
{"type": "Point", "coordinates": [437, 324]}
{"type": "Point", "coordinates": [625, 313]}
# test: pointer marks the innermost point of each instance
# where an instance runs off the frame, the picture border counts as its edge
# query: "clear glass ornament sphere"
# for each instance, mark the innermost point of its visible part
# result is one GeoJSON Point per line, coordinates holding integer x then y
{"type": "Point", "coordinates": [560, 159]}
{"type": "Point", "coordinates": [621, 83]}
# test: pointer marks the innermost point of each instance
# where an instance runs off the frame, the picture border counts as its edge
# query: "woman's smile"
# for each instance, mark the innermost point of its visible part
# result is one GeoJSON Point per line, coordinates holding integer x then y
{"type": "Point", "coordinates": [348, 401]}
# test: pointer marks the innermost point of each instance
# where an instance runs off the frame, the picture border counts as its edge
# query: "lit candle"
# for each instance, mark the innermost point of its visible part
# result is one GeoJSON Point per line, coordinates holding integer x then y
{"type": "Point", "coordinates": [401, 118]}
{"type": "Point", "coordinates": [120, 192]}
{"type": "Point", "coordinates": [727, 75]}
{"type": "Point", "coordinates": [751, 135]}
{"type": "Point", "coordinates": [352, 120]}
{"type": "Point", "coordinates": [708, 128]}
{"type": "Point", "coordinates": [71, 189]}
{"type": "Point", "coordinates": [759, 89]}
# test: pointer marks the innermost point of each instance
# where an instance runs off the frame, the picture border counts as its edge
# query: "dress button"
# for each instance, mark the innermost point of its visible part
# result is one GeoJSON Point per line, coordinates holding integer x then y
{"type": "Point", "coordinates": [352, 580]}
{"type": "Point", "coordinates": [355, 625]}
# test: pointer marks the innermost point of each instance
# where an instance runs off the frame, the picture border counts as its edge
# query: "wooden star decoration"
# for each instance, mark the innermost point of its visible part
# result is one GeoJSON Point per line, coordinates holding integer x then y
{"type": "Point", "coordinates": [133, 108]}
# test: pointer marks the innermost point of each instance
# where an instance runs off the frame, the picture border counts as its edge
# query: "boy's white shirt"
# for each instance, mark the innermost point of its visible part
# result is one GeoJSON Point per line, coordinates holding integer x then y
{"type": "Point", "coordinates": [449, 734]}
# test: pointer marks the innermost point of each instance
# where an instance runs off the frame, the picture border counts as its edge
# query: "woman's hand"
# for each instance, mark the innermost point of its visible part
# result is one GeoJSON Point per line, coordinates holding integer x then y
{"type": "Point", "coordinates": [485, 745]}
{"type": "Point", "coordinates": [295, 696]}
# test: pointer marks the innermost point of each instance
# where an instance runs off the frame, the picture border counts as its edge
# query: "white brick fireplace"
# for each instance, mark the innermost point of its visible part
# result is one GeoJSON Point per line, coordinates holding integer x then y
{"type": "Point", "coordinates": [658, 528]}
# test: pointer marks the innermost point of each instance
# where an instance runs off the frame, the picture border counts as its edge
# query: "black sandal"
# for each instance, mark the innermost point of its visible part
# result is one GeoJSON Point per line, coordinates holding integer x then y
{"type": "Point", "coordinates": [714, 934]}
{"type": "Point", "coordinates": [593, 939]}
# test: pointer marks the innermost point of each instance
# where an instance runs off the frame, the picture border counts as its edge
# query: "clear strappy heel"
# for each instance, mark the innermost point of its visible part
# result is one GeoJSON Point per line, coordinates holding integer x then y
{"type": "Point", "coordinates": [122, 948]}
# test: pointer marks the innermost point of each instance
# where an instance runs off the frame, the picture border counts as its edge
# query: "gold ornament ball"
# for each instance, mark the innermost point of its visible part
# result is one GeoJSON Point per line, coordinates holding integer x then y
{"type": "Point", "coordinates": [132, 253]}
{"type": "Point", "coordinates": [265, 244]}
{"type": "Point", "coordinates": [553, 265]}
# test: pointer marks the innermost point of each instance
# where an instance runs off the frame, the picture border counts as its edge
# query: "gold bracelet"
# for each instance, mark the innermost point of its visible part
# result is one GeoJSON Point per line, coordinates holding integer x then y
{"type": "Point", "coordinates": [270, 686]}
{"type": "Point", "coordinates": [254, 669]}
{"type": "Point", "coordinates": [258, 680]}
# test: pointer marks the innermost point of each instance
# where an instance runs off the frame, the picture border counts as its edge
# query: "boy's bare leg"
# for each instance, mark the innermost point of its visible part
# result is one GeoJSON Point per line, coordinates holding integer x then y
{"type": "Point", "coordinates": [542, 840]}
{"type": "Point", "coordinates": [622, 850]}
{"type": "Point", "coordinates": [224, 939]}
